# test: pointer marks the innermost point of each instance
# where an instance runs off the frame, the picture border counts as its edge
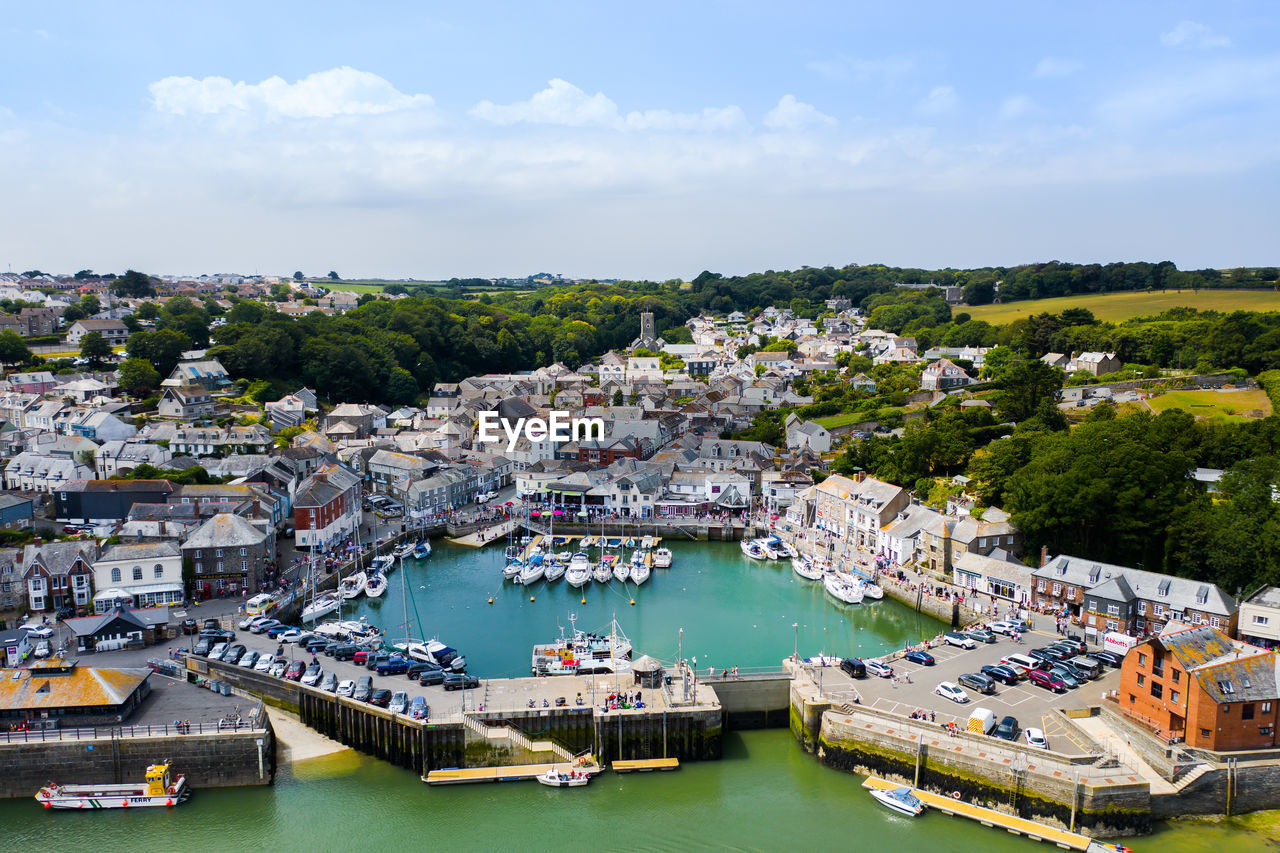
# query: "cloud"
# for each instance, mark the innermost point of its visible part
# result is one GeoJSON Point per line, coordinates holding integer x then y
{"type": "Point", "coordinates": [1051, 66]}
{"type": "Point", "coordinates": [563, 103]}
{"type": "Point", "coordinates": [1016, 105]}
{"type": "Point", "coordinates": [1204, 88]}
{"type": "Point", "coordinates": [939, 101]}
{"type": "Point", "coordinates": [1192, 35]}
{"type": "Point", "coordinates": [340, 91]}
{"type": "Point", "coordinates": [791, 114]}
{"type": "Point", "coordinates": [855, 68]}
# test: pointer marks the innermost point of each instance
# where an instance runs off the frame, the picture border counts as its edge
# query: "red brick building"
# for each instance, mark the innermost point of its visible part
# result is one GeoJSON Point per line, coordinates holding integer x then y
{"type": "Point", "coordinates": [1197, 685]}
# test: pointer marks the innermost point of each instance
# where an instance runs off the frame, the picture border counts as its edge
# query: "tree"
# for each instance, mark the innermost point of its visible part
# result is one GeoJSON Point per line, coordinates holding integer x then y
{"type": "Point", "coordinates": [333, 275]}
{"type": "Point", "coordinates": [90, 304]}
{"type": "Point", "coordinates": [162, 348]}
{"type": "Point", "coordinates": [617, 398]}
{"type": "Point", "coordinates": [298, 276]}
{"type": "Point", "coordinates": [13, 349]}
{"type": "Point", "coordinates": [1027, 383]}
{"type": "Point", "coordinates": [148, 311]}
{"type": "Point", "coordinates": [138, 377]}
{"type": "Point", "coordinates": [94, 347]}
{"type": "Point", "coordinates": [401, 386]}
{"type": "Point", "coordinates": [134, 284]}
{"type": "Point", "coordinates": [72, 313]}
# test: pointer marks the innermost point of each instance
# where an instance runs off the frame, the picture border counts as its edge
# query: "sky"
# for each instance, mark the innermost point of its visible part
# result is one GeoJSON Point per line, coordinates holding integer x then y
{"type": "Point", "coordinates": [645, 141]}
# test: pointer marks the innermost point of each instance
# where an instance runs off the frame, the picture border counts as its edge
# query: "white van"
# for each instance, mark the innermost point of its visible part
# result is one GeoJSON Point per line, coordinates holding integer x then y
{"type": "Point", "coordinates": [1021, 663]}
{"type": "Point", "coordinates": [981, 721]}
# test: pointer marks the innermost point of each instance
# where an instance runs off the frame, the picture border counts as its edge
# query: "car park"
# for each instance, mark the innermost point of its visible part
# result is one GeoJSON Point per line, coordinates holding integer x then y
{"type": "Point", "coordinates": [1007, 729]}
{"type": "Point", "coordinates": [313, 675]}
{"type": "Point", "coordinates": [363, 689]}
{"type": "Point", "coordinates": [399, 702]}
{"type": "Point", "coordinates": [1001, 673]}
{"type": "Point", "coordinates": [418, 708]}
{"type": "Point", "coordinates": [329, 683]}
{"type": "Point", "coordinates": [346, 687]}
{"type": "Point", "coordinates": [264, 662]}
{"type": "Point", "coordinates": [294, 671]}
{"type": "Point", "coordinates": [854, 668]}
{"type": "Point", "coordinates": [1047, 680]}
{"type": "Point", "coordinates": [980, 635]}
{"type": "Point", "coordinates": [955, 638]}
{"type": "Point", "coordinates": [977, 681]}
{"type": "Point", "coordinates": [879, 668]}
{"type": "Point", "coordinates": [249, 659]}
{"type": "Point", "coordinates": [917, 656]}
{"type": "Point", "coordinates": [460, 681]}
{"type": "Point", "coordinates": [1035, 738]}
{"type": "Point", "coordinates": [949, 690]}
{"type": "Point", "coordinates": [380, 697]}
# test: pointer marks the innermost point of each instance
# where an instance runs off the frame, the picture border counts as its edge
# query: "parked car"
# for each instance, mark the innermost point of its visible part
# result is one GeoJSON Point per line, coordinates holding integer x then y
{"type": "Point", "coordinates": [343, 651]}
{"type": "Point", "coordinates": [879, 668]}
{"type": "Point", "coordinates": [1047, 680]}
{"type": "Point", "coordinates": [285, 633]}
{"type": "Point", "coordinates": [247, 621]}
{"type": "Point", "coordinates": [363, 689]}
{"type": "Point", "coordinates": [395, 665]}
{"type": "Point", "coordinates": [329, 683]}
{"type": "Point", "coordinates": [980, 635]}
{"type": "Point", "coordinates": [418, 708]}
{"type": "Point", "coordinates": [1007, 729]}
{"type": "Point", "coordinates": [1066, 674]}
{"type": "Point", "coordinates": [361, 657]}
{"type": "Point", "coordinates": [264, 662]}
{"type": "Point", "coordinates": [917, 656]}
{"type": "Point", "coordinates": [1111, 659]}
{"type": "Point", "coordinates": [949, 690]}
{"type": "Point", "coordinates": [1035, 738]}
{"type": "Point", "coordinates": [294, 671]}
{"type": "Point", "coordinates": [1077, 645]}
{"type": "Point", "coordinates": [1058, 652]}
{"type": "Point", "coordinates": [249, 659]}
{"type": "Point", "coordinates": [212, 624]}
{"type": "Point", "coordinates": [977, 681]}
{"type": "Point", "coordinates": [277, 668]}
{"type": "Point", "coordinates": [312, 675]}
{"type": "Point", "coordinates": [416, 668]}
{"type": "Point", "coordinates": [202, 646]}
{"type": "Point", "coordinates": [264, 626]}
{"type": "Point", "coordinates": [346, 687]}
{"type": "Point", "coordinates": [399, 702]}
{"type": "Point", "coordinates": [854, 668]}
{"type": "Point", "coordinates": [1001, 673]}
{"type": "Point", "coordinates": [313, 644]}
{"type": "Point", "coordinates": [189, 626]}
{"type": "Point", "coordinates": [460, 681]}
{"type": "Point", "coordinates": [1003, 627]}
{"type": "Point", "coordinates": [380, 697]}
{"type": "Point", "coordinates": [430, 677]}
{"type": "Point", "coordinates": [218, 651]}
{"type": "Point", "coordinates": [375, 660]}
{"type": "Point", "coordinates": [955, 638]}
{"type": "Point", "coordinates": [1040, 654]}
{"type": "Point", "coordinates": [234, 653]}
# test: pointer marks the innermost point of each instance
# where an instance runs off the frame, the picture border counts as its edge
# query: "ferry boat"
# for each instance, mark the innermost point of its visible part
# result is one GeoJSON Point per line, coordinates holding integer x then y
{"type": "Point", "coordinates": [560, 779]}
{"type": "Point", "coordinates": [662, 558]}
{"type": "Point", "coordinates": [752, 550]}
{"type": "Point", "coordinates": [583, 653]}
{"type": "Point", "coordinates": [579, 571]}
{"type": "Point", "coordinates": [422, 550]}
{"type": "Point", "coordinates": [353, 585]}
{"type": "Point", "coordinates": [157, 790]}
{"type": "Point", "coordinates": [323, 605]}
{"type": "Point", "coordinates": [376, 585]}
{"type": "Point", "coordinates": [841, 588]}
{"type": "Point", "coordinates": [901, 800]}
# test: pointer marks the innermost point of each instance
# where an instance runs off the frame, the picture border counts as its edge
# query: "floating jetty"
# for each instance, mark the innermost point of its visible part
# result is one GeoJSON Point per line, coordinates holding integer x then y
{"type": "Point", "coordinates": [645, 765]}
{"type": "Point", "coordinates": [540, 540]}
{"type": "Point", "coordinates": [990, 817]}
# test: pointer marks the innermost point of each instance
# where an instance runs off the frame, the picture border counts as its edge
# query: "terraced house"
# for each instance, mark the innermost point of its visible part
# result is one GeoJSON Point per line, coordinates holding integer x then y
{"type": "Point", "coordinates": [59, 575]}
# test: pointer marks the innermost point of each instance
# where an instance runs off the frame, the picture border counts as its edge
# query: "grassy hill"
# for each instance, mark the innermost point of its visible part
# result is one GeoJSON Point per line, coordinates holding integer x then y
{"type": "Point", "coordinates": [1115, 307]}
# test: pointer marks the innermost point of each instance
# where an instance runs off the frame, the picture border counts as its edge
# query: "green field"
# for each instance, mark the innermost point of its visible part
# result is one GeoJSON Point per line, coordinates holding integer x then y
{"type": "Point", "coordinates": [1114, 307]}
{"type": "Point", "coordinates": [1215, 405]}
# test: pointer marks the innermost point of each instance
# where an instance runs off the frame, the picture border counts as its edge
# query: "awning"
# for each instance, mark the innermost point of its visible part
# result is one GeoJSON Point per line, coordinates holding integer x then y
{"type": "Point", "coordinates": [117, 593]}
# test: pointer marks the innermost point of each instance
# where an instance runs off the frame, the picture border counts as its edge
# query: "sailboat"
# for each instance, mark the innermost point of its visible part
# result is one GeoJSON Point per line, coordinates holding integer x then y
{"type": "Point", "coordinates": [376, 585]}
{"type": "Point", "coordinates": [841, 588]}
{"type": "Point", "coordinates": [353, 585]}
{"type": "Point", "coordinates": [639, 572]}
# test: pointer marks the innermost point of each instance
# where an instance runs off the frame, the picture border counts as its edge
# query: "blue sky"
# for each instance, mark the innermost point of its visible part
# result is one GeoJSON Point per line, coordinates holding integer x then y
{"type": "Point", "coordinates": [646, 141]}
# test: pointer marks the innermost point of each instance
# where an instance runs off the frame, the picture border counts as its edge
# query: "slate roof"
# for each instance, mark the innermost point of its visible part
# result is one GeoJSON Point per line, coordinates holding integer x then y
{"type": "Point", "coordinates": [1175, 593]}
{"type": "Point", "coordinates": [225, 531]}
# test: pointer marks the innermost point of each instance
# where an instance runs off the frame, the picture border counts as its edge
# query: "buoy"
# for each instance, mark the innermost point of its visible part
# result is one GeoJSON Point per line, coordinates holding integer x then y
{"type": "Point", "coordinates": [584, 599]}
{"type": "Point", "coordinates": [531, 598]}
{"type": "Point", "coordinates": [491, 599]}
{"type": "Point", "coordinates": [633, 602]}
{"type": "Point", "coordinates": [955, 795]}
{"type": "Point", "coordinates": [172, 790]}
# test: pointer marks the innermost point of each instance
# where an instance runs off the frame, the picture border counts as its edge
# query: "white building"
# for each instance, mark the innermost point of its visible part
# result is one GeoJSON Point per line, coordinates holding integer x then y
{"type": "Point", "coordinates": [147, 574]}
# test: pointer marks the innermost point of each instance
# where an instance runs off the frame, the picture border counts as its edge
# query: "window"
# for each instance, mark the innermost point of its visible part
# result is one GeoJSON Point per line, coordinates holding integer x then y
{"type": "Point", "coordinates": [1174, 697]}
{"type": "Point", "coordinates": [1157, 690]}
{"type": "Point", "coordinates": [1196, 619]}
{"type": "Point", "coordinates": [244, 551]}
{"type": "Point", "coordinates": [199, 568]}
{"type": "Point", "coordinates": [1177, 675]}
{"type": "Point", "coordinates": [1142, 659]}
{"type": "Point", "coordinates": [159, 571]}
{"type": "Point", "coordinates": [115, 576]}
{"type": "Point", "coordinates": [1215, 622]}
{"type": "Point", "coordinates": [1205, 733]}
{"type": "Point", "coordinates": [1266, 707]}
{"type": "Point", "coordinates": [219, 565]}
{"type": "Point", "coordinates": [137, 573]}
{"type": "Point", "coordinates": [217, 553]}
{"type": "Point", "coordinates": [1113, 610]}
{"type": "Point", "coordinates": [1261, 620]}
{"type": "Point", "coordinates": [198, 555]}
{"type": "Point", "coordinates": [1142, 607]}
{"type": "Point", "coordinates": [1159, 609]}
{"type": "Point", "coordinates": [1142, 679]}
{"type": "Point", "coordinates": [1246, 711]}
{"type": "Point", "coordinates": [1057, 589]}
{"type": "Point", "coordinates": [244, 565]}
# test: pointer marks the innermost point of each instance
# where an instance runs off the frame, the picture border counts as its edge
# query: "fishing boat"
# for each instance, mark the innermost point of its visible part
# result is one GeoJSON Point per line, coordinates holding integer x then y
{"type": "Point", "coordinates": [603, 572]}
{"type": "Point", "coordinates": [561, 779]}
{"type": "Point", "coordinates": [323, 605]}
{"type": "Point", "coordinates": [639, 572]}
{"type": "Point", "coordinates": [752, 550]}
{"type": "Point", "coordinates": [422, 550]}
{"type": "Point", "coordinates": [870, 590]}
{"type": "Point", "coordinates": [512, 570]}
{"type": "Point", "coordinates": [807, 569]}
{"type": "Point", "coordinates": [533, 570]}
{"type": "Point", "coordinates": [901, 800]}
{"type": "Point", "coordinates": [647, 543]}
{"type": "Point", "coordinates": [579, 572]}
{"type": "Point", "coordinates": [662, 558]}
{"type": "Point", "coordinates": [841, 588]}
{"type": "Point", "coordinates": [376, 585]}
{"type": "Point", "coordinates": [554, 570]}
{"type": "Point", "coordinates": [353, 586]}
{"type": "Point", "coordinates": [403, 550]}
{"type": "Point", "coordinates": [158, 790]}
{"type": "Point", "coordinates": [582, 652]}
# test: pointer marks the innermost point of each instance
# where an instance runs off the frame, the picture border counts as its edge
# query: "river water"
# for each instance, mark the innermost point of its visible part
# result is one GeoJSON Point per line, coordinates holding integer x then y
{"type": "Point", "coordinates": [766, 794]}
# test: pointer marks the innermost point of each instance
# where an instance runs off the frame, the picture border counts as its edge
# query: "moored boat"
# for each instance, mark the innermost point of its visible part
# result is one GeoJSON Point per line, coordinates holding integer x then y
{"type": "Point", "coordinates": [404, 550]}
{"type": "Point", "coordinates": [621, 570]}
{"type": "Point", "coordinates": [901, 800]}
{"type": "Point", "coordinates": [841, 588]}
{"type": "Point", "coordinates": [512, 570]}
{"type": "Point", "coordinates": [579, 572]}
{"type": "Point", "coordinates": [323, 605]}
{"type": "Point", "coordinates": [870, 590]}
{"type": "Point", "coordinates": [158, 790]}
{"type": "Point", "coordinates": [582, 652]}
{"type": "Point", "coordinates": [768, 550]}
{"type": "Point", "coordinates": [376, 585]}
{"type": "Point", "coordinates": [561, 779]}
{"type": "Point", "coordinates": [639, 573]}
{"type": "Point", "coordinates": [422, 550]}
{"type": "Point", "coordinates": [383, 564]}
{"type": "Point", "coordinates": [353, 585]}
{"type": "Point", "coordinates": [603, 572]}
{"type": "Point", "coordinates": [532, 571]}
{"type": "Point", "coordinates": [752, 550]}
{"type": "Point", "coordinates": [554, 571]}
{"type": "Point", "coordinates": [662, 558]}
{"type": "Point", "coordinates": [445, 656]}
{"type": "Point", "coordinates": [807, 569]}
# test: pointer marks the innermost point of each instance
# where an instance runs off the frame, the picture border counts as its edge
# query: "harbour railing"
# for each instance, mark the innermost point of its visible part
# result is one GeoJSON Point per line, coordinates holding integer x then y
{"type": "Point", "coordinates": [98, 733]}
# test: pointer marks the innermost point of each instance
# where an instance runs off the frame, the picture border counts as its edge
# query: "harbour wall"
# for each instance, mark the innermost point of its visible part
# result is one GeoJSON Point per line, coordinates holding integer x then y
{"type": "Point", "coordinates": [1039, 786]}
{"type": "Point", "coordinates": [754, 700]}
{"type": "Point", "coordinates": [208, 760]}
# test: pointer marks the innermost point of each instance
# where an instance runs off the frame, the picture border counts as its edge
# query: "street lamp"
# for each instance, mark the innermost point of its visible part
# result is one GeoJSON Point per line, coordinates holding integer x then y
{"type": "Point", "coordinates": [795, 655]}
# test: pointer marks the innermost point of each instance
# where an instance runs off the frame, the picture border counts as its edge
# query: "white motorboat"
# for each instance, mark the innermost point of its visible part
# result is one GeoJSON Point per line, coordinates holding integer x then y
{"type": "Point", "coordinates": [445, 656]}
{"type": "Point", "coordinates": [639, 573]}
{"type": "Point", "coordinates": [376, 585]}
{"type": "Point", "coordinates": [781, 550]}
{"type": "Point", "coordinates": [579, 572]}
{"type": "Point", "coordinates": [353, 585]}
{"type": "Point", "coordinates": [560, 779]}
{"type": "Point", "coordinates": [563, 557]}
{"type": "Point", "coordinates": [901, 800]}
{"type": "Point", "coordinates": [404, 550]}
{"type": "Point", "coordinates": [532, 571]}
{"type": "Point", "coordinates": [870, 590]}
{"type": "Point", "coordinates": [554, 571]}
{"type": "Point", "coordinates": [157, 790]}
{"type": "Point", "coordinates": [662, 558]}
{"type": "Point", "coordinates": [512, 570]}
{"type": "Point", "coordinates": [841, 588]}
{"type": "Point", "coordinates": [768, 550]}
{"type": "Point", "coordinates": [383, 564]}
{"type": "Point", "coordinates": [647, 543]}
{"type": "Point", "coordinates": [752, 550]}
{"type": "Point", "coordinates": [323, 605]}
{"type": "Point", "coordinates": [422, 550]}
{"type": "Point", "coordinates": [807, 569]}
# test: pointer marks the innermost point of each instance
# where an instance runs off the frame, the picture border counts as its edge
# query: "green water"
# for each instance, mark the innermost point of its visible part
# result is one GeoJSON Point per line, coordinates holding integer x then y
{"type": "Point", "coordinates": [764, 795]}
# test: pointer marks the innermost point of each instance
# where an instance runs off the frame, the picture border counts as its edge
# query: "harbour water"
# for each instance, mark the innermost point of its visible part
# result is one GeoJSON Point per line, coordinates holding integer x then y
{"type": "Point", "coordinates": [766, 794]}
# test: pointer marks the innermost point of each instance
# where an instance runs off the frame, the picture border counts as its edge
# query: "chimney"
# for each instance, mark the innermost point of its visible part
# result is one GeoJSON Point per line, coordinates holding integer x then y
{"type": "Point", "coordinates": [1044, 555]}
